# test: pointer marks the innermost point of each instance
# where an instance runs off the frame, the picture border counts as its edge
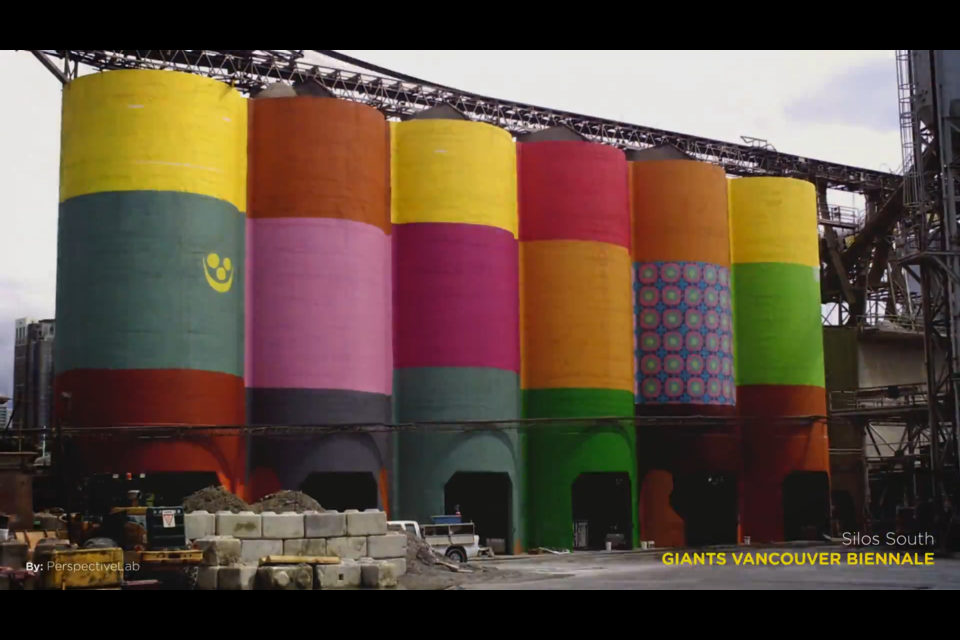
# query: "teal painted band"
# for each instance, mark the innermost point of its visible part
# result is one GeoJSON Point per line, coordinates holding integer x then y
{"type": "Point", "coordinates": [455, 394]}
{"type": "Point", "coordinates": [427, 461]}
{"type": "Point", "coordinates": [134, 290]}
{"type": "Point", "coordinates": [779, 328]}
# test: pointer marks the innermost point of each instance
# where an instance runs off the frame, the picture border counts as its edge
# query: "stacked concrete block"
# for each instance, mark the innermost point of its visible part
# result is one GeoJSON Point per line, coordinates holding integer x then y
{"type": "Point", "coordinates": [245, 526]}
{"type": "Point", "coordinates": [368, 523]}
{"type": "Point", "coordinates": [286, 578]}
{"type": "Point", "coordinates": [347, 548]}
{"type": "Point", "coordinates": [253, 551]}
{"type": "Point", "coordinates": [316, 548]}
{"type": "Point", "coordinates": [282, 526]}
{"type": "Point", "coordinates": [207, 578]}
{"type": "Point", "coordinates": [378, 575]}
{"type": "Point", "coordinates": [392, 545]}
{"type": "Point", "coordinates": [200, 524]}
{"type": "Point", "coordinates": [234, 544]}
{"type": "Point", "coordinates": [219, 551]}
{"type": "Point", "coordinates": [325, 525]}
{"type": "Point", "coordinates": [399, 566]}
{"type": "Point", "coordinates": [346, 575]}
{"type": "Point", "coordinates": [392, 548]}
{"type": "Point", "coordinates": [238, 578]}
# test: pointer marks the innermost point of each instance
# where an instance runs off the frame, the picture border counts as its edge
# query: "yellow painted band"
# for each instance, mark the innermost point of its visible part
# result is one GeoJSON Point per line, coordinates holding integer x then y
{"type": "Point", "coordinates": [576, 307]}
{"type": "Point", "coordinates": [774, 220]}
{"type": "Point", "coordinates": [154, 131]}
{"type": "Point", "coordinates": [451, 171]}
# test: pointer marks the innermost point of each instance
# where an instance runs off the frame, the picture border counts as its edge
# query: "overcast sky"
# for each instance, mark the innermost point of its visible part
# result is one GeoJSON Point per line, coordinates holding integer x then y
{"type": "Point", "coordinates": [831, 105]}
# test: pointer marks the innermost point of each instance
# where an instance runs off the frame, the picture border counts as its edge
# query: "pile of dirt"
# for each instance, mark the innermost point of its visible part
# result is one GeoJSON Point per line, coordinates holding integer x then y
{"type": "Point", "coordinates": [426, 571]}
{"type": "Point", "coordinates": [214, 499]}
{"type": "Point", "coordinates": [287, 502]}
{"type": "Point", "coordinates": [420, 556]}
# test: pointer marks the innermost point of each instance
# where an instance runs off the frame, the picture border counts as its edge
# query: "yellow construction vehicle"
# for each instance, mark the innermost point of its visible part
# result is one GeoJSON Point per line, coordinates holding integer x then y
{"type": "Point", "coordinates": [153, 543]}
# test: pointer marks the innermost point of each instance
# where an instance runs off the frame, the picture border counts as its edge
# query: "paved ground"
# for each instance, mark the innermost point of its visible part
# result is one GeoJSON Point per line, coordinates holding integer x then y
{"type": "Point", "coordinates": [645, 572]}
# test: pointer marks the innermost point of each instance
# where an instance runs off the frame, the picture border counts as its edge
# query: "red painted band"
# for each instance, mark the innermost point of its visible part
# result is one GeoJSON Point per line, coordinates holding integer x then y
{"type": "Point", "coordinates": [144, 397]}
{"type": "Point", "coordinates": [573, 191]}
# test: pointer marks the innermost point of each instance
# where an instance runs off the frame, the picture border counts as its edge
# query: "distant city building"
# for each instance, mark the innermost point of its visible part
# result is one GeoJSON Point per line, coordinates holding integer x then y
{"type": "Point", "coordinates": [33, 373]}
{"type": "Point", "coordinates": [4, 415]}
{"type": "Point", "coordinates": [20, 366]}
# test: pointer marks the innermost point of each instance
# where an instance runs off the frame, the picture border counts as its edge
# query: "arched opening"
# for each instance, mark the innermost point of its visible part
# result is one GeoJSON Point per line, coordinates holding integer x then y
{"type": "Point", "coordinates": [342, 491]}
{"type": "Point", "coordinates": [708, 504]}
{"type": "Point", "coordinates": [806, 506]}
{"type": "Point", "coordinates": [485, 499]}
{"type": "Point", "coordinates": [602, 511]}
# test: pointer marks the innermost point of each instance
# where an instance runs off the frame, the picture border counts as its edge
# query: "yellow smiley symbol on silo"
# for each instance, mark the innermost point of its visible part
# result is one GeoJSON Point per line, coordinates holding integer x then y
{"type": "Point", "coordinates": [222, 279]}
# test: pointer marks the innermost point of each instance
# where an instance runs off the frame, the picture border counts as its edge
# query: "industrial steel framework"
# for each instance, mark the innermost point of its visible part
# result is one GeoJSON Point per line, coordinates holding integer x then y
{"type": "Point", "coordinates": [400, 96]}
{"type": "Point", "coordinates": [932, 243]}
{"type": "Point", "coordinates": [920, 286]}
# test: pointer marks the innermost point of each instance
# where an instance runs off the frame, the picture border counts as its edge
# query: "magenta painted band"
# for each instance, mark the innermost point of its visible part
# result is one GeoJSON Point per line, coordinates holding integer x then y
{"type": "Point", "coordinates": [456, 296]}
{"type": "Point", "coordinates": [318, 305]}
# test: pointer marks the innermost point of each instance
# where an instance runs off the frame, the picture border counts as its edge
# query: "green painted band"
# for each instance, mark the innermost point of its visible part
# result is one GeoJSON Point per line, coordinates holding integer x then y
{"type": "Point", "coordinates": [577, 403]}
{"type": "Point", "coordinates": [559, 454]}
{"type": "Point", "coordinates": [556, 459]}
{"type": "Point", "coordinates": [135, 289]}
{"type": "Point", "coordinates": [779, 328]}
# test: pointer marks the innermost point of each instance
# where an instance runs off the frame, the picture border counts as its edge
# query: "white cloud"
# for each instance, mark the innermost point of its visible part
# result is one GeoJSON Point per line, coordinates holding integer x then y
{"type": "Point", "coordinates": [716, 94]}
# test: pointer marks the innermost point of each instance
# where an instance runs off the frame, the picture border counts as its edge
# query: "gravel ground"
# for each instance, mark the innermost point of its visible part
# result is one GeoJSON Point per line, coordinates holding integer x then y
{"type": "Point", "coordinates": [636, 572]}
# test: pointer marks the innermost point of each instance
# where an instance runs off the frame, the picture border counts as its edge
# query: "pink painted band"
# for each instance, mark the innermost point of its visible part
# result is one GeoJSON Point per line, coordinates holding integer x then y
{"type": "Point", "coordinates": [456, 296]}
{"type": "Point", "coordinates": [318, 305]}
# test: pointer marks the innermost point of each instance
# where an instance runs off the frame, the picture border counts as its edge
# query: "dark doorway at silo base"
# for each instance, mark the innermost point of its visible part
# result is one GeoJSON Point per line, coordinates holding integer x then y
{"type": "Point", "coordinates": [708, 504]}
{"type": "Point", "coordinates": [845, 511]}
{"type": "Point", "coordinates": [806, 506]}
{"type": "Point", "coordinates": [342, 491]}
{"type": "Point", "coordinates": [602, 511]}
{"type": "Point", "coordinates": [105, 491]}
{"type": "Point", "coordinates": [485, 500]}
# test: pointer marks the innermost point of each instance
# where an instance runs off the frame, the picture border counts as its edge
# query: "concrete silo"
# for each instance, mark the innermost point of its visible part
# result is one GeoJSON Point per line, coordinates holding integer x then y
{"type": "Point", "coordinates": [681, 246]}
{"type": "Point", "coordinates": [319, 330]}
{"type": "Point", "coordinates": [150, 294]}
{"type": "Point", "coordinates": [577, 343]}
{"type": "Point", "coordinates": [780, 370]}
{"type": "Point", "coordinates": [456, 323]}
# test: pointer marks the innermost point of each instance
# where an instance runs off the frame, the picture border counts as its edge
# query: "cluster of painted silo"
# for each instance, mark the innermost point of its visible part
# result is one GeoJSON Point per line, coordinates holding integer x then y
{"type": "Point", "coordinates": [319, 333]}
{"type": "Point", "coordinates": [437, 276]}
{"type": "Point", "coordinates": [150, 280]}
{"type": "Point", "coordinates": [780, 370]}
{"type": "Point", "coordinates": [577, 337]}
